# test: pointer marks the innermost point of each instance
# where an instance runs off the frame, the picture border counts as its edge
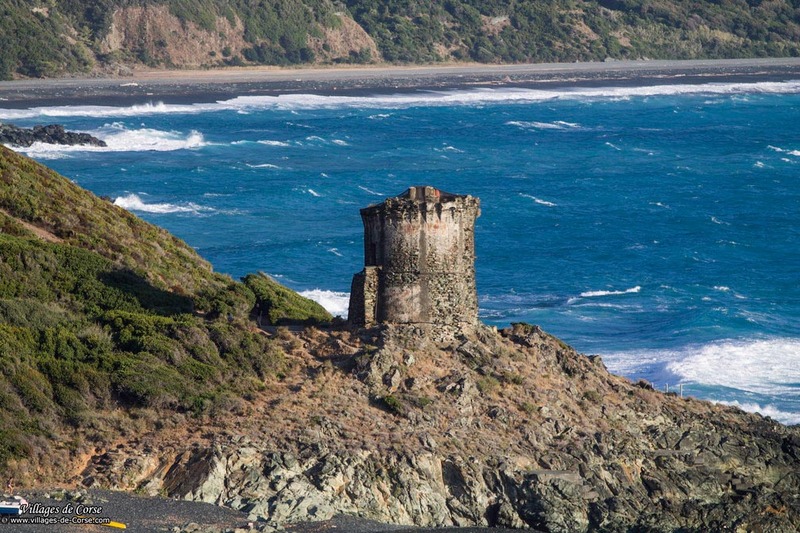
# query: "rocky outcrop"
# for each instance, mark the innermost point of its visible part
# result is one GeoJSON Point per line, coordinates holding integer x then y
{"type": "Point", "coordinates": [157, 36]}
{"type": "Point", "coordinates": [52, 134]}
{"type": "Point", "coordinates": [457, 428]}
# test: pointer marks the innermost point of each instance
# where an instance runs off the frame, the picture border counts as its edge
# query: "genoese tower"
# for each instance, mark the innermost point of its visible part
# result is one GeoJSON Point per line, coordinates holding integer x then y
{"type": "Point", "coordinates": [419, 261]}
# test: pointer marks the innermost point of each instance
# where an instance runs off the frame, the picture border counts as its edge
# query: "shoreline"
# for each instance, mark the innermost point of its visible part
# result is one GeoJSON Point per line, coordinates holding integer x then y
{"type": "Point", "coordinates": [201, 86]}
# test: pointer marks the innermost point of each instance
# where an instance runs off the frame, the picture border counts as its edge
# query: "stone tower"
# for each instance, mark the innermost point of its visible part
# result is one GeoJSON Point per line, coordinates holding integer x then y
{"type": "Point", "coordinates": [419, 261]}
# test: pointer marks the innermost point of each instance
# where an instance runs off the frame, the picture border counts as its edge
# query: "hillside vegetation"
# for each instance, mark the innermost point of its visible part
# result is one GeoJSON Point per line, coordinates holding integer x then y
{"type": "Point", "coordinates": [103, 315]}
{"type": "Point", "coordinates": [51, 38]}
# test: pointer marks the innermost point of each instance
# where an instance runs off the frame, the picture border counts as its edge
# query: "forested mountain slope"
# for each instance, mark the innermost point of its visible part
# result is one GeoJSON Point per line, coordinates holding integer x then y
{"type": "Point", "coordinates": [57, 37]}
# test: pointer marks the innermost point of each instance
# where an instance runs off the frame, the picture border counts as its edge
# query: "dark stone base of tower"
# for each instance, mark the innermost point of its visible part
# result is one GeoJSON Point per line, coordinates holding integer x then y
{"type": "Point", "coordinates": [419, 256]}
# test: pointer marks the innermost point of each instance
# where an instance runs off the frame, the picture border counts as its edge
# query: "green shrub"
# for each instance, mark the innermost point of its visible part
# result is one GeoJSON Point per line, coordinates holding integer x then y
{"type": "Point", "coordinates": [278, 305]}
{"type": "Point", "coordinates": [487, 384]}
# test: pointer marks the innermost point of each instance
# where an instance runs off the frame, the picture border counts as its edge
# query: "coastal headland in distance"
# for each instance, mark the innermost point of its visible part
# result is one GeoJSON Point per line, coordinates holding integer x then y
{"type": "Point", "coordinates": [195, 86]}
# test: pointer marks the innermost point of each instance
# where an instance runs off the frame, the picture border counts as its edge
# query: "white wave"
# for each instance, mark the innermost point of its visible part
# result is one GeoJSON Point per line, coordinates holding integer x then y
{"type": "Point", "coordinates": [43, 155]}
{"type": "Point", "coordinates": [120, 139]}
{"type": "Point", "coordinates": [595, 294]}
{"type": "Point", "coordinates": [794, 152]}
{"type": "Point", "coordinates": [762, 366]}
{"type": "Point", "coordinates": [340, 142]}
{"type": "Point", "coordinates": [133, 202]}
{"type": "Point", "coordinates": [614, 146]}
{"type": "Point", "coordinates": [263, 165]}
{"type": "Point", "coordinates": [370, 191]}
{"type": "Point", "coordinates": [557, 125]}
{"type": "Point", "coordinates": [336, 252]}
{"type": "Point", "coordinates": [313, 193]}
{"type": "Point", "coordinates": [398, 101]}
{"type": "Point", "coordinates": [715, 220]}
{"type": "Point", "coordinates": [448, 148]}
{"type": "Point", "coordinates": [274, 143]}
{"type": "Point", "coordinates": [538, 200]}
{"type": "Point", "coordinates": [336, 303]}
{"type": "Point", "coordinates": [158, 108]}
{"type": "Point", "coordinates": [759, 164]}
{"type": "Point", "coordinates": [771, 411]}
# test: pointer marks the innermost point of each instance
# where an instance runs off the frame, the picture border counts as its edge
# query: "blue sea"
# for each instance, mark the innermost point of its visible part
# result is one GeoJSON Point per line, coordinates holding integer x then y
{"type": "Point", "coordinates": [655, 226]}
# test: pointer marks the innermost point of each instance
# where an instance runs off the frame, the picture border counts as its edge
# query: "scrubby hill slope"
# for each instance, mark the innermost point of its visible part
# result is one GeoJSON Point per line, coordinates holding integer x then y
{"type": "Point", "coordinates": [409, 425]}
{"type": "Point", "coordinates": [102, 313]}
{"type": "Point", "coordinates": [45, 38]}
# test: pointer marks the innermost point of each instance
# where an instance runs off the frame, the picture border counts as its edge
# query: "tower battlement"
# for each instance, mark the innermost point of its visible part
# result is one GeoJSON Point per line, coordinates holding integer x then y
{"type": "Point", "coordinates": [419, 260]}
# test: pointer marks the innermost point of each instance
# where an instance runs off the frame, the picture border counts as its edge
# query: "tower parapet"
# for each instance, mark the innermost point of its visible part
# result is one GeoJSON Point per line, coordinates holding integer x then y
{"type": "Point", "coordinates": [419, 261]}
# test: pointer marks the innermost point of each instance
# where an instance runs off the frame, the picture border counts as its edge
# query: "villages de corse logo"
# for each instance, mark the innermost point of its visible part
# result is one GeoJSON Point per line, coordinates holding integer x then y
{"type": "Point", "coordinates": [67, 509]}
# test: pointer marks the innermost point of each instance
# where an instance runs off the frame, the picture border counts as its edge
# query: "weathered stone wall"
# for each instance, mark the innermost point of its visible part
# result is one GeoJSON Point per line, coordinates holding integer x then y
{"type": "Point", "coordinates": [422, 245]}
{"type": "Point", "coordinates": [364, 297]}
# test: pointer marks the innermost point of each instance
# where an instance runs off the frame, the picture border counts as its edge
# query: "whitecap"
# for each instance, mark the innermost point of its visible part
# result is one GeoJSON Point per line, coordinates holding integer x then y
{"type": "Point", "coordinates": [595, 294]}
{"type": "Point", "coordinates": [533, 125]}
{"type": "Point", "coordinates": [336, 303]}
{"type": "Point", "coordinates": [157, 108]}
{"type": "Point", "coordinates": [715, 220]}
{"type": "Point", "coordinates": [448, 148]}
{"type": "Point", "coordinates": [133, 202]}
{"type": "Point", "coordinates": [762, 366]}
{"type": "Point", "coordinates": [614, 146]}
{"type": "Point", "coordinates": [273, 143]}
{"type": "Point", "coordinates": [263, 165]}
{"type": "Point", "coordinates": [336, 252]}
{"type": "Point", "coordinates": [120, 139]}
{"type": "Point", "coordinates": [480, 96]}
{"type": "Point", "coordinates": [538, 200]}
{"type": "Point", "coordinates": [370, 191]}
{"type": "Point", "coordinates": [340, 142]}
{"type": "Point", "coordinates": [313, 193]}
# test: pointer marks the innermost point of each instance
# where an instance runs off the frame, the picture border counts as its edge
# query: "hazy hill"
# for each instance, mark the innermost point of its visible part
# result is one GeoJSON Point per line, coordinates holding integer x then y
{"type": "Point", "coordinates": [52, 38]}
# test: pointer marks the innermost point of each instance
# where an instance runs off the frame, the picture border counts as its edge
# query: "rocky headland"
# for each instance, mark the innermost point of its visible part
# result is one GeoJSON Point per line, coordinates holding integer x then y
{"type": "Point", "coordinates": [50, 134]}
{"type": "Point", "coordinates": [127, 364]}
{"type": "Point", "coordinates": [511, 429]}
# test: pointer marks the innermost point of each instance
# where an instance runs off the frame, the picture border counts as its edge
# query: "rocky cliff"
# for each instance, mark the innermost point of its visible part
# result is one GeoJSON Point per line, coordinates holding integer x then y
{"type": "Point", "coordinates": [438, 428]}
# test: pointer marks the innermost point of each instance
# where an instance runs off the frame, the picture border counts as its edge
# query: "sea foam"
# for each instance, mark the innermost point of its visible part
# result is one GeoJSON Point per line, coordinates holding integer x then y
{"type": "Point", "coordinates": [538, 200]}
{"type": "Point", "coordinates": [763, 366]}
{"type": "Point", "coordinates": [595, 294]}
{"type": "Point", "coordinates": [336, 303]}
{"type": "Point", "coordinates": [120, 139]}
{"type": "Point", "coordinates": [133, 202]}
{"type": "Point", "coordinates": [400, 101]}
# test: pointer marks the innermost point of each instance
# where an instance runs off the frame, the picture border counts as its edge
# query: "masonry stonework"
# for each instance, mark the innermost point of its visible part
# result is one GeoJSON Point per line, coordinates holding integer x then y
{"type": "Point", "coordinates": [419, 257]}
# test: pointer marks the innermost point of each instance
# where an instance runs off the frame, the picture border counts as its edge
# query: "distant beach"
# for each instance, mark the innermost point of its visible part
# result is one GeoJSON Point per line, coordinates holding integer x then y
{"type": "Point", "coordinates": [193, 86]}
